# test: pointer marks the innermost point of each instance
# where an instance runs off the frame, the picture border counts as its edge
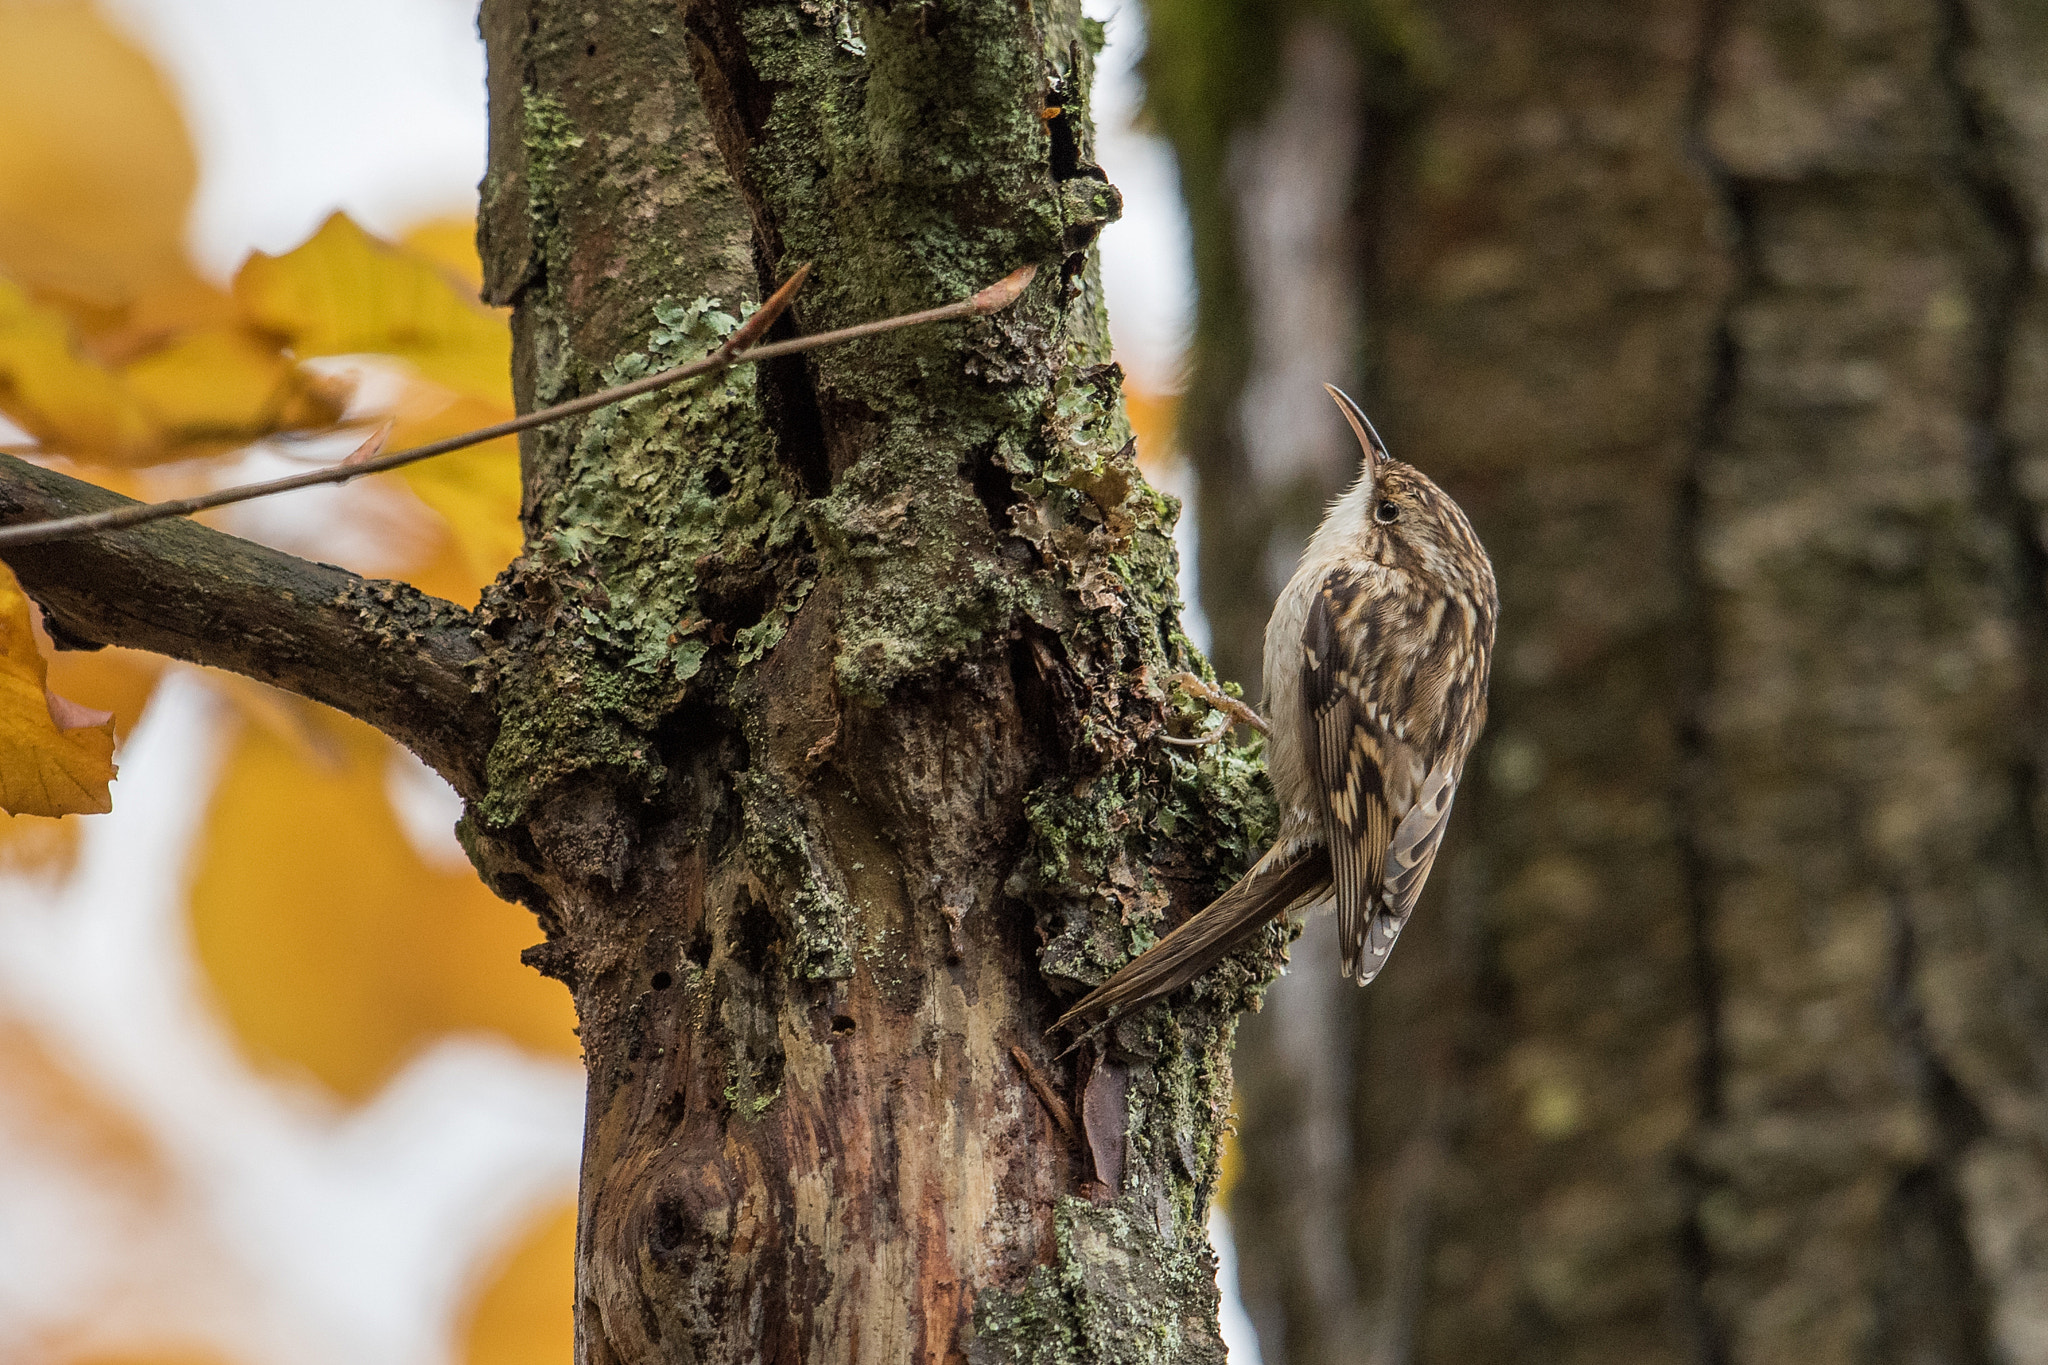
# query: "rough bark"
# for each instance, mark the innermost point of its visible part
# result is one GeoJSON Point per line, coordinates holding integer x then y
{"type": "Point", "coordinates": [829, 694]}
{"type": "Point", "coordinates": [1720, 1035]}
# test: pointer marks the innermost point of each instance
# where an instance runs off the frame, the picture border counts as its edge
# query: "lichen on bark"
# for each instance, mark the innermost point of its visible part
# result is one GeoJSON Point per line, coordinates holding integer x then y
{"type": "Point", "coordinates": [830, 692]}
{"type": "Point", "coordinates": [1115, 1294]}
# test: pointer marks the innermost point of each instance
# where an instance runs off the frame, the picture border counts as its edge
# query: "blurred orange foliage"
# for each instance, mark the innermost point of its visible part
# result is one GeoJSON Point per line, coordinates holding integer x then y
{"type": "Point", "coordinates": [1152, 421]}
{"type": "Point", "coordinates": [335, 948]}
{"type": "Point", "coordinates": [331, 944]}
{"type": "Point", "coordinates": [526, 1314]}
{"type": "Point", "coordinates": [116, 356]}
{"type": "Point", "coordinates": [56, 757]}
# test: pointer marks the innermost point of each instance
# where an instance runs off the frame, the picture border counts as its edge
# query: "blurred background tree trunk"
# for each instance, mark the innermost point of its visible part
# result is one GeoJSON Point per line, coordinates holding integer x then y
{"type": "Point", "coordinates": [1721, 1035]}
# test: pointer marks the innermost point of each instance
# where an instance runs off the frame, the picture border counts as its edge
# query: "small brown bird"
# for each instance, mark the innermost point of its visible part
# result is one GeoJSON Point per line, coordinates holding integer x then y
{"type": "Point", "coordinates": [1376, 666]}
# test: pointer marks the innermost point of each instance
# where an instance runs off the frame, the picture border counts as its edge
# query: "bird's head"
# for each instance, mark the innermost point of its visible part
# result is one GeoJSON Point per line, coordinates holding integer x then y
{"type": "Point", "coordinates": [1403, 520]}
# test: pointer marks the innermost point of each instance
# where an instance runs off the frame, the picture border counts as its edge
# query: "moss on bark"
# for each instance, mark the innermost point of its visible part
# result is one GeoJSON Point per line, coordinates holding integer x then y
{"type": "Point", "coordinates": [830, 693]}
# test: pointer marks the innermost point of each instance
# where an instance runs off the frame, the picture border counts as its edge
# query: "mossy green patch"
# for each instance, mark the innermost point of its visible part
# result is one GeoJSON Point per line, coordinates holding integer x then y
{"type": "Point", "coordinates": [549, 138]}
{"type": "Point", "coordinates": [1117, 1293]}
{"type": "Point", "coordinates": [812, 911]}
{"type": "Point", "coordinates": [672, 516]}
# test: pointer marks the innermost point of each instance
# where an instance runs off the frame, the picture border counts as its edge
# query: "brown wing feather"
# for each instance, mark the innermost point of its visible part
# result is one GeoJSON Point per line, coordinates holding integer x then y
{"type": "Point", "coordinates": [1413, 849]}
{"type": "Point", "coordinates": [1409, 857]}
{"type": "Point", "coordinates": [1345, 759]}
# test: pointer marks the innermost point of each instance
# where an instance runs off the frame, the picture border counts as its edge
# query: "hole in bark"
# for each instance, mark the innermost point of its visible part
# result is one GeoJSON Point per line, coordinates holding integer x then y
{"type": "Point", "coordinates": [1072, 265]}
{"type": "Point", "coordinates": [753, 933]}
{"type": "Point", "coordinates": [1047, 697]}
{"type": "Point", "coordinates": [662, 981]}
{"type": "Point", "coordinates": [993, 488]}
{"type": "Point", "coordinates": [1066, 152]}
{"type": "Point", "coordinates": [790, 402]}
{"type": "Point", "coordinates": [669, 1232]}
{"type": "Point", "coordinates": [717, 483]}
{"type": "Point", "coordinates": [590, 49]}
{"type": "Point", "coordinates": [843, 1023]}
{"type": "Point", "coordinates": [698, 949]}
{"type": "Point", "coordinates": [734, 590]}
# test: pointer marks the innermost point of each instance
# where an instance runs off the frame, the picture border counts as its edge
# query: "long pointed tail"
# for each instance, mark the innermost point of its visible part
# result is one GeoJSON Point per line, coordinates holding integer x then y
{"type": "Point", "coordinates": [1212, 934]}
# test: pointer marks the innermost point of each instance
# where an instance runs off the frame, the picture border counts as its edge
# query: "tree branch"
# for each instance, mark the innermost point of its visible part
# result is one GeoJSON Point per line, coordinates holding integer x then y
{"type": "Point", "coordinates": [382, 652]}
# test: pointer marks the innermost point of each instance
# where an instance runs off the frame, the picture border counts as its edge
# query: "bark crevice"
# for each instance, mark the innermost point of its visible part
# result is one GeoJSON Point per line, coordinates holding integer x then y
{"type": "Point", "coordinates": [1694, 672]}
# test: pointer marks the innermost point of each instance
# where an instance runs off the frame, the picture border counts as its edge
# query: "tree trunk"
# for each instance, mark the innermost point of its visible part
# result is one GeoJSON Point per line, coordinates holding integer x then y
{"type": "Point", "coordinates": [1720, 1035]}
{"type": "Point", "coordinates": [818, 722]}
{"type": "Point", "coordinates": [831, 697]}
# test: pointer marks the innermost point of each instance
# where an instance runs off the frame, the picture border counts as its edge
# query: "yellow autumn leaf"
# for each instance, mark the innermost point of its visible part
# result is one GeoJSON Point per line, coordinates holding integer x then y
{"type": "Point", "coordinates": [199, 392]}
{"type": "Point", "coordinates": [112, 350]}
{"type": "Point", "coordinates": [56, 757]}
{"type": "Point", "coordinates": [526, 1314]}
{"type": "Point", "coordinates": [96, 172]}
{"type": "Point", "coordinates": [225, 387]}
{"type": "Point", "coordinates": [216, 379]}
{"type": "Point", "coordinates": [333, 948]}
{"type": "Point", "coordinates": [476, 491]}
{"type": "Point", "coordinates": [451, 244]}
{"type": "Point", "coordinates": [345, 293]}
{"type": "Point", "coordinates": [115, 680]}
{"type": "Point", "coordinates": [65, 400]}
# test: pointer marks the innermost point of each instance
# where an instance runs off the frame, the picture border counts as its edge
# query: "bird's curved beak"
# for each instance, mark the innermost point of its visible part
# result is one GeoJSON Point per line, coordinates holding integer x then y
{"type": "Point", "coordinates": [1361, 425]}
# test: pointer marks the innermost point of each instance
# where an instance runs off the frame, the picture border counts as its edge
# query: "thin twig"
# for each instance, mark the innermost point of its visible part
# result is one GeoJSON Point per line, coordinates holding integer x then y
{"type": "Point", "coordinates": [993, 299]}
{"type": "Point", "coordinates": [1062, 1117]}
{"type": "Point", "coordinates": [756, 327]}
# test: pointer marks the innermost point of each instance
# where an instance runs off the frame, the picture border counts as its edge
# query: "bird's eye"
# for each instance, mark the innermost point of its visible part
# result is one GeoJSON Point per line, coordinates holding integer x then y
{"type": "Point", "coordinates": [1386, 513]}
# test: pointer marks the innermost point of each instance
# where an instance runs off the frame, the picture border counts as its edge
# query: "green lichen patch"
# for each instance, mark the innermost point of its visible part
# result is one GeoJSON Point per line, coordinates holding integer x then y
{"type": "Point", "coordinates": [1110, 845]}
{"type": "Point", "coordinates": [924, 582]}
{"type": "Point", "coordinates": [813, 913]}
{"type": "Point", "coordinates": [671, 533]}
{"type": "Point", "coordinates": [1118, 1293]}
{"type": "Point", "coordinates": [549, 138]}
{"type": "Point", "coordinates": [1077, 831]}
